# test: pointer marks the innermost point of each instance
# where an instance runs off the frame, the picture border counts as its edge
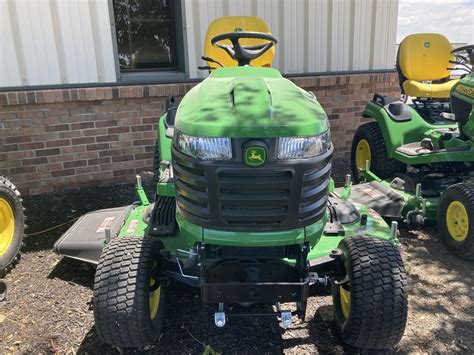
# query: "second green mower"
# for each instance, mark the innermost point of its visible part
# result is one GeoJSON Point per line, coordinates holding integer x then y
{"type": "Point", "coordinates": [417, 160]}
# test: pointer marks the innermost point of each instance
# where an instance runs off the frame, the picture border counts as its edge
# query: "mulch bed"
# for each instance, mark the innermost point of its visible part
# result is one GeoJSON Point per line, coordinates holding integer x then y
{"type": "Point", "coordinates": [48, 305]}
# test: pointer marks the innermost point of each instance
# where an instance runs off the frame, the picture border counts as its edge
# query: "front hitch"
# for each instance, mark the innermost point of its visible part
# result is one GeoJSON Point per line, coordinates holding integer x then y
{"type": "Point", "coordinates": [331, 266]}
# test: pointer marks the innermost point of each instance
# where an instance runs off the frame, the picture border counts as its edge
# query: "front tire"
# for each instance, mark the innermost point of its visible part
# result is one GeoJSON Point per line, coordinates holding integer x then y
{"type": "Point", "coordinates": [368, 144]}
{"type": "Point", "coordinates": [456, 220]}
{"type": "Point", "coordinates": [370, 310]}
{"type": "Point", "coordinates": [12, 225]}
{"type": "Point", "coordinates": [129, 301]}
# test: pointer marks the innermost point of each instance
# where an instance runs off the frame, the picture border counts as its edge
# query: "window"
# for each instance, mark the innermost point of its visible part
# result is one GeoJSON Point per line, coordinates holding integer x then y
{"type": "Point", "coordinates": [146, 33]}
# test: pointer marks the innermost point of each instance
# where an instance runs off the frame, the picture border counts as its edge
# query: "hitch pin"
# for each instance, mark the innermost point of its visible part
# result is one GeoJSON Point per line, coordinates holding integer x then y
{"type": "Point", "coordinates": [219, 317]}
{"type": "Point", "coordinates": [139, 181]}
{"type": "Point", "coordinates": [346, 191]}
{"type": "Point", "coordinates": [108, 235]}
{"type": "Point", "coordinates": [286, 319]}
{"type": "Point", "coordinates": [315, 279]}
{"type": "Point", "coordinates": [347, 183]}
{"type": "Point", "coordinates": [418, 190]}
{"type": "Point", "coordinates": [140, 192]}
{"type": "Point", "coordinates": [394, 230]}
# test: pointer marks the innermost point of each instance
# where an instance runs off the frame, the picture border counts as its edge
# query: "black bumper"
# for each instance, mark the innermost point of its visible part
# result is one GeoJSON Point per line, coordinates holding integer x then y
{"type": "Point", "coordinates": [253, 275]}
{"type": "Point", "coordinates": [269, 281]}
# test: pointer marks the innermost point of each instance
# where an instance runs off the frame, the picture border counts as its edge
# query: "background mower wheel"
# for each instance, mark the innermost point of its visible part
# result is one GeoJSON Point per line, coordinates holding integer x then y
{"type": "Point", "coordinates": [415, 220]}
{"type": "Point", "coordinates": [12, 225]}
{"type": "Point", "coordinates": [370, 310]}
{"type": "Point", "coordinates": [368, 144]}
{"type": "Point", "coordinates": [456, 220]}
{"type": "Point", "coordinates": [129, 300]}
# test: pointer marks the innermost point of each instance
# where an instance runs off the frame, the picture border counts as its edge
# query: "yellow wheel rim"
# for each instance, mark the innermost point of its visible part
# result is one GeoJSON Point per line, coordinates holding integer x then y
{"type": "Point", "coordinates": [457, 221]}
{"type": "Point", "coordinates": [345, 297]}
{"type": "Point", "coordinates": [362, 154]}
{"type": "Point", "coordinates": [7, 225]}
{"type": "Point", "coordinates": [154, 300]}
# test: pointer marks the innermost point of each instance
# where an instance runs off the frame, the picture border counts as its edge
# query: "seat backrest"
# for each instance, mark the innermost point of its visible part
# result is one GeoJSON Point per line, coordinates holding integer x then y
{"type": "Point", "coordinates": [424, 56]}
{"type": "Point", "coordinates": [237, 23]}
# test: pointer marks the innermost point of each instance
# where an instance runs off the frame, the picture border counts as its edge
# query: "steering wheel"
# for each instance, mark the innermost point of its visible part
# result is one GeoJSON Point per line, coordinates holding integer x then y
{"type": "Point", "coordinates": [244, 54]}
{"type": "Point", "coordinates": [469, 49]}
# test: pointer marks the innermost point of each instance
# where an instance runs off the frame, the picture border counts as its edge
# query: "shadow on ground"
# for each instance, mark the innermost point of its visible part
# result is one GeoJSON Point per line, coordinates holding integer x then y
{"type": "Point", "coordinates": [74, 271]}
{"type": "Point", "coordinates": [61, 209]}
{"type": "Point", "coordinates": [441, 288]}
{"type": "Point", "coordinates": [189, 327]}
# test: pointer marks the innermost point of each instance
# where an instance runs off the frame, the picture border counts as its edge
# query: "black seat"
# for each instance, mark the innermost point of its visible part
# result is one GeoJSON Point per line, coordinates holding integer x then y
{"type": "Point", "coordinates": [171, 108]}
{"type": "Point", "coordinates": [170, 117]}
{"type": "Point", "coordinates": [399, 111]}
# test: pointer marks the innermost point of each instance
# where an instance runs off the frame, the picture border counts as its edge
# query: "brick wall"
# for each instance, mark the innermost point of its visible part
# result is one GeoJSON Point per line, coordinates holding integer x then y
{"type": "Point", "coordinates": [66, 138]}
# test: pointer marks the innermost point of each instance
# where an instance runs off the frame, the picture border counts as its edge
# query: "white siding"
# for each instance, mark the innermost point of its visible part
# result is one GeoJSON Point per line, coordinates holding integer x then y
{"type": "Point", "coordinates": [10, 74]}
{"type": "Point", "coordinates": [317, 36]}
{"type": "Point", "coordinates": [47, 42]}
{"type": "Point", "coordinates": [314, 35]}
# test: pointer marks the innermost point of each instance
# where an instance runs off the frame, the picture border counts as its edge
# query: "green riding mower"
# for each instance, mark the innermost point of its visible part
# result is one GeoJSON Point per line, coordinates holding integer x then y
{"type": "Point", "coordinates": [245, 211]}
{"type": "Point", "coordinates": [417, 160]}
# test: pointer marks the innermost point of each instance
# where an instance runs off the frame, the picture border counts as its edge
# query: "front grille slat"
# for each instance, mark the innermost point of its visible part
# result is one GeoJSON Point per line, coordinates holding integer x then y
{"type": "Point", "coordinates": [254, 180]}
{"type": "Point", "coordinates": [276, 214]}
{"type": "Point", "coordinates": [189, 176]}
{"type": "Point", "coordinates": [228, 195]}
{"type": "Point", "coordinates": [314, 192]}
{"type": "Point", "coordinates": [239, 178]}
{"type": "Point", "coordinates": [254, 187]}
{"type": "Point", "coordinates": [316, 176]}
{"type": "Point", "coordinates": [243, 202]}
{"type": "Point", "coordinates": [191, 193]}
{"type": "Point", "coordinates": [192, 208]}
{"type": "Point", "coordinates": [240, 201]}
{"type": "Point", "coordinates": [255, 196]}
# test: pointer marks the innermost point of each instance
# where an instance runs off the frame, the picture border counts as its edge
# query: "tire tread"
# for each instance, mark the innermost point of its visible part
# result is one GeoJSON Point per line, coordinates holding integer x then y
{"type": "Point", "coordinates": [378, 292]}
{"type": "Point", "coordinates": [467, 250]}
{"type": "Point", "coordinates": [120, 307]}
{"type": "Point", "coordinates": [381, 165]}
{"type": "Point", "coordinates": [8, 188]}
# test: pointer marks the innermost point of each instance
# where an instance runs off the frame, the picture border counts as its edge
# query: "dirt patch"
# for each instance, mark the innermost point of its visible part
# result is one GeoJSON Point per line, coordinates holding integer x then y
{"type": "Point", "coordinates": [48, 306]}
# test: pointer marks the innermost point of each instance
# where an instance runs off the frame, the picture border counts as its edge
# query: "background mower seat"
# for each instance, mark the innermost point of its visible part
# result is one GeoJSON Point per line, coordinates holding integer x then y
{"type": "Point", "coordinates": [422, 64]}
{"type": "Point", "coordinates": [418, 89]}
{"type": "Point", "coordinates": [237, 24]}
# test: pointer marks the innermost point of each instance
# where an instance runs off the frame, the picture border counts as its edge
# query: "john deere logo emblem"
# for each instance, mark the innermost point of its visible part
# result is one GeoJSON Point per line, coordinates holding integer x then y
{"type": "Point", "coordinates": [255, 156]}
{"type": "Point", "coordinates": [427, 44]}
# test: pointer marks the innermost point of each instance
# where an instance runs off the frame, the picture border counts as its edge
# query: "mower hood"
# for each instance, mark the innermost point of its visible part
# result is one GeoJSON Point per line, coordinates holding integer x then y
{"type": "Point", "coordinates": [245, 102]}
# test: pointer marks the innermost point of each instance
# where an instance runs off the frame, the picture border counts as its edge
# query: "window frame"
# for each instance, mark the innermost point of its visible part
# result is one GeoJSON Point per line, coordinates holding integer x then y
{"type": "Point", "coordinates": [149, 76]}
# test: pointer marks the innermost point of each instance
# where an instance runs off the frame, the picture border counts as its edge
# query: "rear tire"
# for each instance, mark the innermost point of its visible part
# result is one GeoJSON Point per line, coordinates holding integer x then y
{"type": "Point", "coordinates": [128, 302]}
{"type": "Point", "coordinates": [369, 135]}
{"type": "Point", "coordinates": [12, 226]}
{"type": "Point", "coordinates": [371, 309]}
{"type": "Point", "coordinates": [456, 220]}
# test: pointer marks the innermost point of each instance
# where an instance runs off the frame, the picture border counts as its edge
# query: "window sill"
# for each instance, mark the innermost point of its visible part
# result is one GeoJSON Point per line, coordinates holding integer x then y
{"type": "Point", "coordinates": [151, 77]}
